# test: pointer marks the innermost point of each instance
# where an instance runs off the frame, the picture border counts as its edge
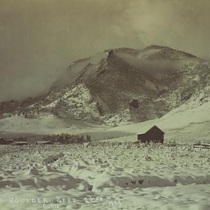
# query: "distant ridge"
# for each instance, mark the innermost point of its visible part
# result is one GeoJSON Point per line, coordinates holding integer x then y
{"type": "Point", "coordinates": [121, 85]}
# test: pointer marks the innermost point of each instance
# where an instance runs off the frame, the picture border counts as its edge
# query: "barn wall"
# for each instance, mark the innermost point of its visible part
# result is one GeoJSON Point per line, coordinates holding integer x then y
{"type": "Point", "coordinates": [142, 138]}
{"type": "Point", "coordinates": [154, 135]}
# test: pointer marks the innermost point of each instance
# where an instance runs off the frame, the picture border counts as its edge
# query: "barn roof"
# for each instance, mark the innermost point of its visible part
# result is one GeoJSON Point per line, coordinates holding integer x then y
{"type": "Point", "coordinates": [147, 129]}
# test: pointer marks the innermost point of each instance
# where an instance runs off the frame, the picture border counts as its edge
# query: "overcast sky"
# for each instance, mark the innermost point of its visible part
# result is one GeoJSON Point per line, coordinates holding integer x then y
{"type": "Point", "coordinates": [40, 38]}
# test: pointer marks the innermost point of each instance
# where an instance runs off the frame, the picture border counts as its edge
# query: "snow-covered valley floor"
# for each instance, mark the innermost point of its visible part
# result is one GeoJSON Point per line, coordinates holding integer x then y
{"type": "Point", "coordinates": [104, 177]}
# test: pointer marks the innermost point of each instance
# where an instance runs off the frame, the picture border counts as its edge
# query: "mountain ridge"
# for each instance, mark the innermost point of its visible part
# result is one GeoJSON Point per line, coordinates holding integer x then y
{"type": "Point", "coordinates": [120, 86]}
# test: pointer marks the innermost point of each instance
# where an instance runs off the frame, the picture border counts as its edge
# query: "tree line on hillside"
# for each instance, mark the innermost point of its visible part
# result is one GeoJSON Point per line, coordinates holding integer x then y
{"type": "Point", "coordinates": [21, 107]}
{"type": "Point", "coordinates": [63, 138]}
{"type": "Point", "coordinates": [66, 138]}
{"type": "Point", "coordinates": [29, 108]}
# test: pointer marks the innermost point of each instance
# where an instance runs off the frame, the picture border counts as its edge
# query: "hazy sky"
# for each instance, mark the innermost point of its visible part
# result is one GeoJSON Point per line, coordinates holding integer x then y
{"type": "Point", "coordinates": [39, 38]}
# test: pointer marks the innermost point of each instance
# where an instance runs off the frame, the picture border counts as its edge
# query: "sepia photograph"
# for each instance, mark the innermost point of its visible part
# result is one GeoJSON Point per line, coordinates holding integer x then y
{"type": "Point", "coordinates": [105, 104]}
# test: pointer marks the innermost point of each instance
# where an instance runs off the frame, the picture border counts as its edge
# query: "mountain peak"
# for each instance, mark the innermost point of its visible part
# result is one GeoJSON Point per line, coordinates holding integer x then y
{"type": "Point", "coordinates": [101, 88]}
{"type": "Point", "coordinates": [157, 52]}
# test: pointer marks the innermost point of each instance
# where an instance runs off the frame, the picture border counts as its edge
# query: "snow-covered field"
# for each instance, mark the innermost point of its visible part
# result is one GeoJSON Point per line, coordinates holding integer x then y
{"type": "Point", "coordinates": [104, 176]}
{"type": "Point", "coordinates": [109, 176]}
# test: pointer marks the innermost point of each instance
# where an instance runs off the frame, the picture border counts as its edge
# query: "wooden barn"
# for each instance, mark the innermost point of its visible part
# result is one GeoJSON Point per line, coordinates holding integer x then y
{"type": "Point", "coordinates": [154, 135]}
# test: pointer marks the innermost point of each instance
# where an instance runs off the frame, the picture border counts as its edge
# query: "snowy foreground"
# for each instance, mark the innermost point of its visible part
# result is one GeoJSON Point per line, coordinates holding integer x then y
{"type": "Point", "coordinates": [104, 177]}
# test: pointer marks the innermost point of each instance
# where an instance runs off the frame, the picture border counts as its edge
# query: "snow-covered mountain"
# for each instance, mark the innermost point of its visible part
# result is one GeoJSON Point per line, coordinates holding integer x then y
{"type": "Point", "coordinates": [122, 85]}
